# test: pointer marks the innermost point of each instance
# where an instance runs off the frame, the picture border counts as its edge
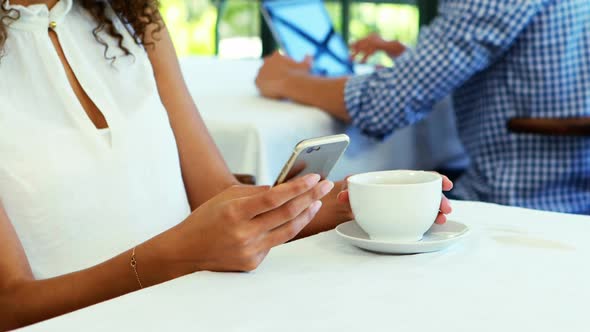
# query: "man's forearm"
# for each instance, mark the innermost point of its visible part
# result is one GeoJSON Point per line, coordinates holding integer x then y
{"type": "Point", "coordinates": [324, 93]}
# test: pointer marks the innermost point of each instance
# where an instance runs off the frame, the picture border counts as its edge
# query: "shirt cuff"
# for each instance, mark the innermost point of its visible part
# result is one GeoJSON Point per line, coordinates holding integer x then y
{"type": "Point", "coordinates": [353, 93]}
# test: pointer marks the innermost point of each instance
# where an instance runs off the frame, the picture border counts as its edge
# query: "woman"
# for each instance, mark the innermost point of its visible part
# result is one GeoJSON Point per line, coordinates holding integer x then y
{"type": "Point", "coordinates": [103, 156]}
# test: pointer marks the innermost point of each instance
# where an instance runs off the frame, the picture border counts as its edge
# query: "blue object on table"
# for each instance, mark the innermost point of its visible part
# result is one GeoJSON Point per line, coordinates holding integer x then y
{"type": "Point", "coordinates": [302, 28]}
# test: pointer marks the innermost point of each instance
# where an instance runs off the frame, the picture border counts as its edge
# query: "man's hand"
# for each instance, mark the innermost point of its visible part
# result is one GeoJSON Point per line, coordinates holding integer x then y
{"type": "Point", "coordinates": [275, 70]}
{"type": "Point", "coordinates": [373, 43]}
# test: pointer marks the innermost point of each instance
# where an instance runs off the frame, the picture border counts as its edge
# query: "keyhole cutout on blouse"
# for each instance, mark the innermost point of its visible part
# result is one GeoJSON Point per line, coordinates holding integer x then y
{"type": "Point", "coordinates": [94, 114]}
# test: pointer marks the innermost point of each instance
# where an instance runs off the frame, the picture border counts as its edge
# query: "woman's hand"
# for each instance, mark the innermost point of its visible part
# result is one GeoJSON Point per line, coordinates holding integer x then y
{"type": "Point", "coordinates": [373, 43]}
{"type": "Point", "coordinates": [333, 213]}
{"type": "Point", "coordinates": [445, 205]}
{"type": "Point", "coordinates": [235, 230]}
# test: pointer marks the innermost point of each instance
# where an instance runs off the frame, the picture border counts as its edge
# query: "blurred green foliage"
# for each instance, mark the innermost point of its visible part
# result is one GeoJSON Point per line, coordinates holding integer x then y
{"type": "Point", "coordinates": [192, 23]}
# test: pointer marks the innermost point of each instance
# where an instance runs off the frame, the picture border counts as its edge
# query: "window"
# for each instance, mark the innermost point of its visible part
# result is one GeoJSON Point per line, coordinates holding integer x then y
{"type": "Point", "coordinates": [195, 25]}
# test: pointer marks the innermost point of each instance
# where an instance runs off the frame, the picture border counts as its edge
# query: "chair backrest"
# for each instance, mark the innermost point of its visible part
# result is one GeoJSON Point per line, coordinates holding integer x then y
{"type": "Point", "coordinates": [579, 127]}
{"type": "Point", "coordinates": [246, 179]}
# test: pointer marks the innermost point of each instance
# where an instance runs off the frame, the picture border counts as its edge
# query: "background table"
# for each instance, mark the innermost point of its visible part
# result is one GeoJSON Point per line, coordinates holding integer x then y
{"type": "Point", "coordinates": [256, 136]}
{"type": "Point", "coordinates": [519, 270]}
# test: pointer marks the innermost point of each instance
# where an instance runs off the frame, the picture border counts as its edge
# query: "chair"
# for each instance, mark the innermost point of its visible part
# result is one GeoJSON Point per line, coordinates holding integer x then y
{"type": "Point", "coordinates": [569, 127]}
{"type": "Point", "coordinates": [246, 179]}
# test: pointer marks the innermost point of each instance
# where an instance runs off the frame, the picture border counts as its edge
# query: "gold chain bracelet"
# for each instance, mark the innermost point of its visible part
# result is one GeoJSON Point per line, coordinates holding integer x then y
{"type": "Point", "coordinates": [134, 267]}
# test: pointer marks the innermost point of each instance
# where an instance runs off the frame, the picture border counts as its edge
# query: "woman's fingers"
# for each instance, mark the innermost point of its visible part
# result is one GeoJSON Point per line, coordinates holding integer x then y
{"type": "Point", "coordinates": [440, 219]}
{"type": "Point", "coordinates": [274, 198]}
{"type": "Point", "coordinates": [445, 205]}
{"type": "Point", "coordinates": [447, 184]}
{"type": "Point", "coordinates": [445, 208]}
{"type": "Point", "coordinates": [290, 210]}
{"type": "Point", "coordinates": [343, 196]}
{"type": "Point", "coordinates": [289, 230]}
{"type": "Point", "coordinates": [238, 191]}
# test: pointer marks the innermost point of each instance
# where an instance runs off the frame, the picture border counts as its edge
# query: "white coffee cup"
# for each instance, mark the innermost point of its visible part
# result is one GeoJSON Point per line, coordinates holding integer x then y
{"type": "Point", "coordinates": [395, 205]}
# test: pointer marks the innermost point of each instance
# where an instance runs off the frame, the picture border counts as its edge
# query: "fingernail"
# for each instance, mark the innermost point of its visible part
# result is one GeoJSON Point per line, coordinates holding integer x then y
{"type": "Point", "coordinates": [326, 187]}
{"type": "Point", "coordinates": [315, 207]}
{"type": "Point", "coordinates": [312, 179]}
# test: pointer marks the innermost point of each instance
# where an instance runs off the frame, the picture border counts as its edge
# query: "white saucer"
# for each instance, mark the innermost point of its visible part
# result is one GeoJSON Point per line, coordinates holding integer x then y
{"type": "Point", "coordinates": [437, 238]}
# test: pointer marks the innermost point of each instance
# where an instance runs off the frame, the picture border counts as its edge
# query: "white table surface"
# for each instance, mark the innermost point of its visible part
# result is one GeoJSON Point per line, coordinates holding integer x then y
{"type": "Point", "coordinates": [519, 270]}
{"type": "Point", "coordinates": [256, 135]}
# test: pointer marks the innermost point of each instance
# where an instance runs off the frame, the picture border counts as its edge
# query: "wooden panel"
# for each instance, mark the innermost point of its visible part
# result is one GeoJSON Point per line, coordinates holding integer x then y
{"type": "Point", "coordinates": [551, 127]}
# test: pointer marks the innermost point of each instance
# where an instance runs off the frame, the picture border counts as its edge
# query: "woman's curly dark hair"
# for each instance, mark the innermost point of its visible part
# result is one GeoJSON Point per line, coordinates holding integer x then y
{"type": "Point", "coordinates": [138, 15]}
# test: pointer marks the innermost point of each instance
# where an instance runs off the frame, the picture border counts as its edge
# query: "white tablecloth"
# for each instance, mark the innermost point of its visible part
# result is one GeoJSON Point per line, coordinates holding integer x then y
{"type": "Point", "coordinates": [256, 136]}
{"type": "Point", "coordinates": [519, 270]}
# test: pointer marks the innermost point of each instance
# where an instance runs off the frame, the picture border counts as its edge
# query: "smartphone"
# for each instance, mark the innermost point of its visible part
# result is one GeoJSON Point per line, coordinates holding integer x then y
{"type": "Point", "coordinates": [314, 156]}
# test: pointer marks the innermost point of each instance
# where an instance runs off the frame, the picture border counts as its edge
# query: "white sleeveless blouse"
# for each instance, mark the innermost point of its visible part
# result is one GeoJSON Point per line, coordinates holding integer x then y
{"type": "Point", "coordinates": [77, 195]}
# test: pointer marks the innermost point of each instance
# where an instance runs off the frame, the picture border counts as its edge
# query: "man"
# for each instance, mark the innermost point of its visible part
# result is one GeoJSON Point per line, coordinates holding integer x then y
{"type": "Point", "coordinates": [502, 59]}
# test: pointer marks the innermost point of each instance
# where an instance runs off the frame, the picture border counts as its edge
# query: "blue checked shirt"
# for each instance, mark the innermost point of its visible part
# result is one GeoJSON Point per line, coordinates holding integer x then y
{"type": "Point", "coordinates": [501, 59]}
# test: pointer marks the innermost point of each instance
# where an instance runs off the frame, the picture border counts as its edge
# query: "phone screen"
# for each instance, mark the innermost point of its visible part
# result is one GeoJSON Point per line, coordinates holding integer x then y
{"type": "Point", "coordinates": [319, 159]}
